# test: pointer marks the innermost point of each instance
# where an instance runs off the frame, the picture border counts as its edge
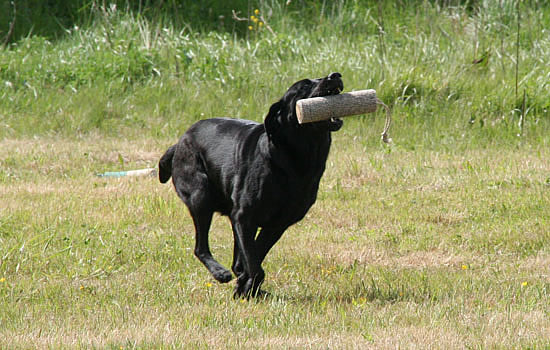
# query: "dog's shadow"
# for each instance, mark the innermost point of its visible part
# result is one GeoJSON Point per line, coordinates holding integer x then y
{"type": "Point", "coordinates": [359, 294]}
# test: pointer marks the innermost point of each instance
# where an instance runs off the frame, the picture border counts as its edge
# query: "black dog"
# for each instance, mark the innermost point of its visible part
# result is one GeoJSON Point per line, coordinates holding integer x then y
{"type": "Point", "coordinates": [259, 175]}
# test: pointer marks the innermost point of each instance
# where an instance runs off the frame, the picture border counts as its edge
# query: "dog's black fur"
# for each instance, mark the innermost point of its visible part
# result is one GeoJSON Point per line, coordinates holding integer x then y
{"type": "Point", "coordinates": [260, 175]}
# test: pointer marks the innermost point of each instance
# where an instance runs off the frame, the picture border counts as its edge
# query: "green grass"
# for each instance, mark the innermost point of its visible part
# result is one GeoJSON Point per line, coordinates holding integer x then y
{"type": "Point", "coordinates": [440, 240]}
{"type": "Point", "coordinates": [402, 248]}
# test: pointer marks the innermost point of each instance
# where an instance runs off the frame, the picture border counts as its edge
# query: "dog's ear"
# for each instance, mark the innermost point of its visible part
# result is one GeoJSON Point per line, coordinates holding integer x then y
{"type": "Point", "coordinates": [272, 122]}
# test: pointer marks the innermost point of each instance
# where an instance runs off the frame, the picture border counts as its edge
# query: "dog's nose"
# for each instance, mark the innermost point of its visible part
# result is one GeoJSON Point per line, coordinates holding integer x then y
{"type": "Point", "coordinates": [334, 75]}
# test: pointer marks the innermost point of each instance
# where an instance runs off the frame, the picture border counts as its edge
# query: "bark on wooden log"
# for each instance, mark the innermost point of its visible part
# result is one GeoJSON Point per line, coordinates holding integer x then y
{"type": "Point", "coordinates": [322, 108]}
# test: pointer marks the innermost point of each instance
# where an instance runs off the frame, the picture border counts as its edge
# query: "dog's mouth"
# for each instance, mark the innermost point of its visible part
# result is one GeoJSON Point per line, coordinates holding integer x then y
{"type": "Point", "coordinates": [333, 88]}
{"type": "Point", "coordinates": [331, 85]}
{"type": "Point", "coordinates": [334, 91]}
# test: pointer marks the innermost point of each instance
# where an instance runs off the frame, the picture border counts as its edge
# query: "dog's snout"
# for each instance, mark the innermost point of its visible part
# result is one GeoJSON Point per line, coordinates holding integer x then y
{"type": "Point", "coordinates": [334, 83]}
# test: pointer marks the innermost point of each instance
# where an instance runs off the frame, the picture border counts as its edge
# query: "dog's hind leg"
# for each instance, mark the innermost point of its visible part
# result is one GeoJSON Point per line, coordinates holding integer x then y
{"type": "Point", "coordinates": [192, 187]}
{"type": "Point", "coordinates": [202, 221]}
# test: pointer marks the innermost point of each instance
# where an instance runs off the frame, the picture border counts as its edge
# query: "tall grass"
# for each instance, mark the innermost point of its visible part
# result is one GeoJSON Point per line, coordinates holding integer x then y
{"type": "Point", "coordinates": [148, 74]}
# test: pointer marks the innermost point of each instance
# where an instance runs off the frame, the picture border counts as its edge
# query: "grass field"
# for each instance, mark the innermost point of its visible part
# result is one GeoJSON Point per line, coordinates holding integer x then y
{"type": "Point", "coordinates": [440, 240]}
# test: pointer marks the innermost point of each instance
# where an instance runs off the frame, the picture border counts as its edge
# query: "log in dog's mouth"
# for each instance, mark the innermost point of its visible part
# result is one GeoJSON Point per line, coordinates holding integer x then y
{"type": "Point", "coordinates": [329, 86]}
{"type": "Point", "coordinates": [335, 123]}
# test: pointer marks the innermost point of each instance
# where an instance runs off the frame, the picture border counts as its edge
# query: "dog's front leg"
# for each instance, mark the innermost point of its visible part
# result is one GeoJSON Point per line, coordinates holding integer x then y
{"type": "Point", "coordinates": [237, 266]}
{"type": "Point", "coordinates": [265, 241]}
{"type": "Point", "coordinates": [249, 281]}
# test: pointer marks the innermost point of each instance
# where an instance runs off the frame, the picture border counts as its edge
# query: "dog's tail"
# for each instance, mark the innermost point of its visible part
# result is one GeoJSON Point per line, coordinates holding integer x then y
{"type": "Point", "coordinates": [165, 164]}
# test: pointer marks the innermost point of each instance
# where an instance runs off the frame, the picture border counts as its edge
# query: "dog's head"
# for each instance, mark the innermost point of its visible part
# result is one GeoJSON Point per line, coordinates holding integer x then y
{"type": "Point", "coordinates": [282, 114]}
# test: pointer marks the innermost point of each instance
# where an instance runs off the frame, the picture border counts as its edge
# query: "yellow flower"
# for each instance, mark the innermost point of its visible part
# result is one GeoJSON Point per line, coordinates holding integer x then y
{"type": "Point", "coordinates": [464, 267]}
{"type": "Point", "coordinates": [81, 287]}
{"type": "Point", "coordinates": [260, 24]}
{"type": "Point", "coordinates": [208, 284]}
{"type": "Point", "coordinates": [253, 18]}
{"type": "Point", "coordinates": [250, 28]}
{"type": "Point", "coordinates": [256, 12]}
{"type": "Point", "coordinates": [2, 280]}
{"type": "Point", "coordinates": [524, 284]}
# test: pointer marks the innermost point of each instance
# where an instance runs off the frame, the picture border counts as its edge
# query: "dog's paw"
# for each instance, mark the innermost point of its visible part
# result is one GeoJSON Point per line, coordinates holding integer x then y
{"type": "Point", "coordinates": [248, 287]}
{"type": "Point", "coordinates": [242, 286]}
{"type": "Point", "coordinates": [222, 276]}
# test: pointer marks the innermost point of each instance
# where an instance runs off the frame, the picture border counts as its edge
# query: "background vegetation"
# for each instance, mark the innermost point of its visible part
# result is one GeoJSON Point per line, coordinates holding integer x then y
{"type": "Point", "coordinates": [439, 240]}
